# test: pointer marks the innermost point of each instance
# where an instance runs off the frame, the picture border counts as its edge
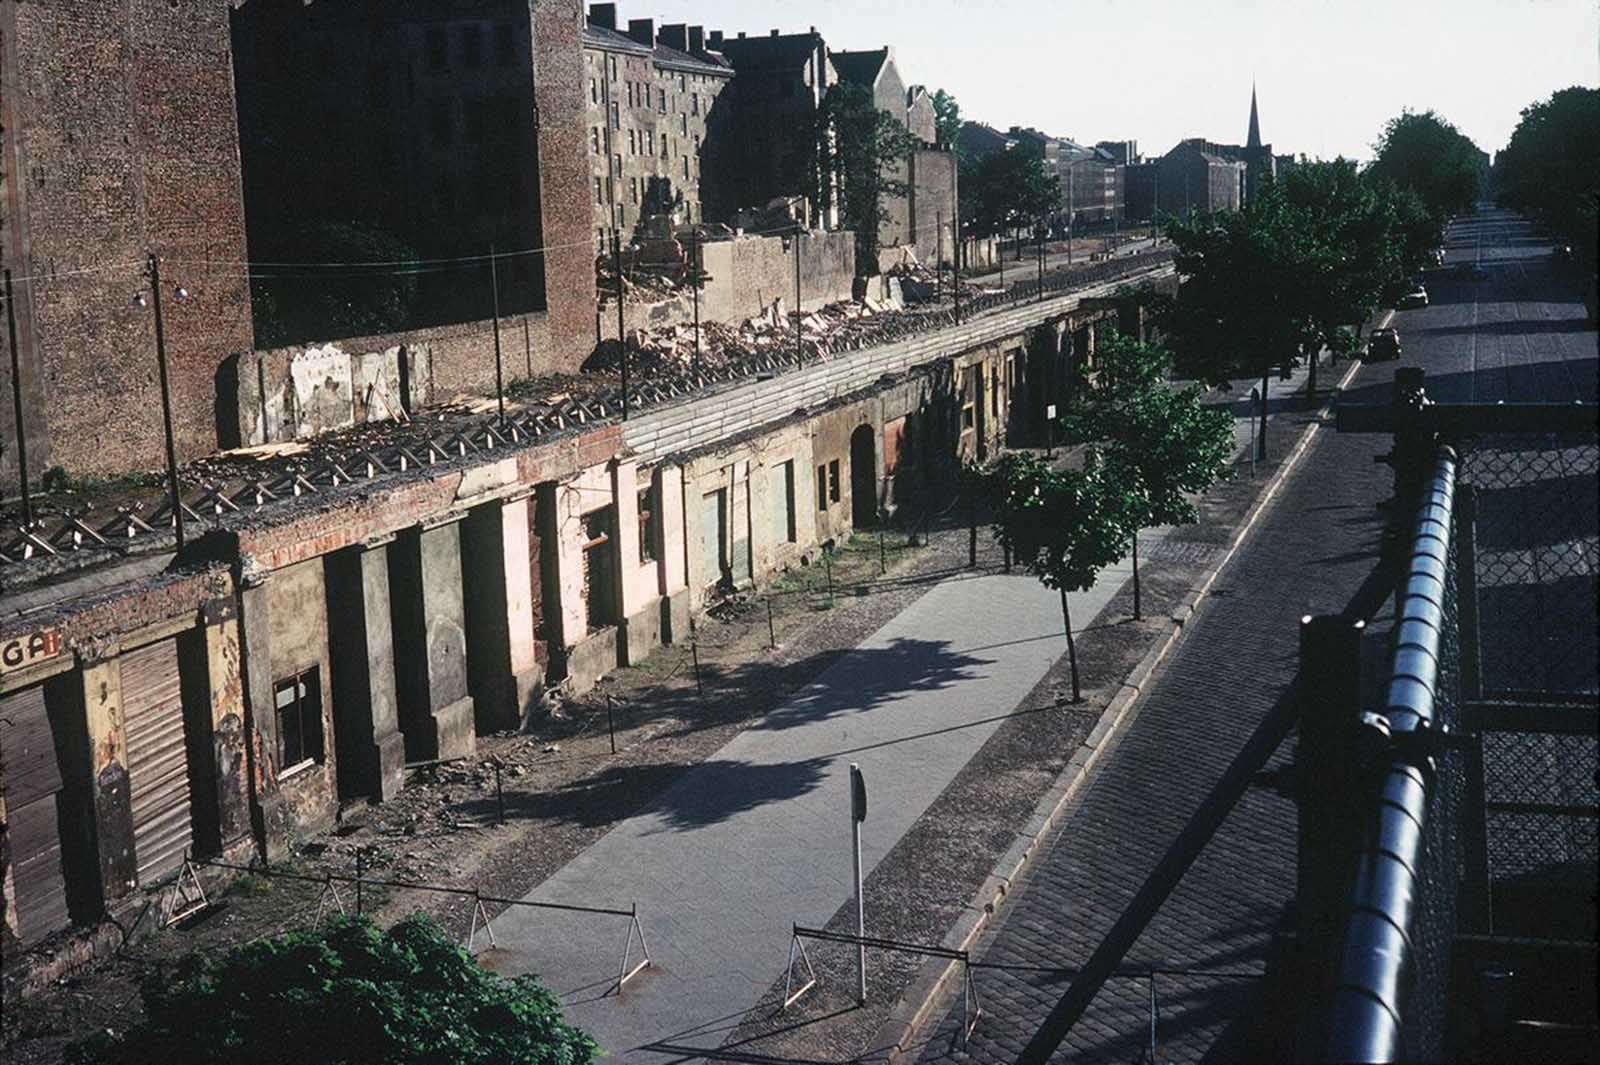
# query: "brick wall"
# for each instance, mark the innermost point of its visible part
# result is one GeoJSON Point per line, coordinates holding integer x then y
{"type": "Point", "coordinates": [749, 273]}
{"type": "Point", "coordinates": [565, 188]}
{"type": "Point", "coordinates": [120, 139]}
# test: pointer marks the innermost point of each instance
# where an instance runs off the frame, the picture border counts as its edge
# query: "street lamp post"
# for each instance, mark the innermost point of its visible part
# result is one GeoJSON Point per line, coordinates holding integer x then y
{"type": "Point", "coordinates": [499, 376]}
{"type": "Point", "coordinates": [166, 398]}
{"type": "Point", "coordinates": [622, 340]}
{"type": "Point", "coordinates": [16, 401]}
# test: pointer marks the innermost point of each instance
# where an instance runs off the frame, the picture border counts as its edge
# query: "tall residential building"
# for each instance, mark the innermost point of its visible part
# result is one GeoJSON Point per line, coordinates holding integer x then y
{"type": "Point", "coordinates": [653, 114]}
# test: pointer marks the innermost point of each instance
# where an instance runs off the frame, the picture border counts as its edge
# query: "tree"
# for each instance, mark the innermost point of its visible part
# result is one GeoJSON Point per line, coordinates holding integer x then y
{"type": "Point", "coordinates": [1550, 169]}
{"type": "Point", "coordinates": [1244, 306]}
{"type": "Point", "coordinates": [1354, 257]}
{"type": "Point", "coordinates": [862, 152]}
{"type": "Point", "coordinates": [1063, 526]}
{"type": "Point", "coordinates": [947, 121]}
{"type": "Point", "coordinates": [346, 995]}
{"type": "Point", "coordinates": [1425, 153]}
{"type": "Point", "coordinates": [1159, 444]}
{"type": "Point", "coordinates": [1008, 189]}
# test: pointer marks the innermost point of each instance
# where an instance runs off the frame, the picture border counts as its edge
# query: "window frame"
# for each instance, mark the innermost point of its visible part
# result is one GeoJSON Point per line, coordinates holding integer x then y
{"type": "Point", "coordinates": [306, 686]}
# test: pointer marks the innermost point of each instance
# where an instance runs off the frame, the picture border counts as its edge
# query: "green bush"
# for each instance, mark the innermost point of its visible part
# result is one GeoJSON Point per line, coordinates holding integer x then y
{"type": "Point", "coordinates": [346, 994]}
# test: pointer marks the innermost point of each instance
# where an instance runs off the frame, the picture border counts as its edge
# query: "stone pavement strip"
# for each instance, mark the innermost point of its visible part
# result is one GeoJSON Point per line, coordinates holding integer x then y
{"type": "Point", "coordinates": [757, 837]}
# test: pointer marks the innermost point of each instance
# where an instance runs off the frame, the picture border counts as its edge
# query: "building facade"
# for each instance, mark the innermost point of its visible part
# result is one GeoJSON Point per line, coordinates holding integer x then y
{"type": "Point", "coordinates": [653, 113]}
{"type": "Point", "coordinates": [118, 139]}
{"type": "Point", "coordinates": [455, 130]}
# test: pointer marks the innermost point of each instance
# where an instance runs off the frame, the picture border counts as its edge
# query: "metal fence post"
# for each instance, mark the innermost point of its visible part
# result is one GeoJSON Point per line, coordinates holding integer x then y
{"type": "Point", "coordinates": [1330, 815]}
{"type": "Point", "coordinates": [1476, 907]}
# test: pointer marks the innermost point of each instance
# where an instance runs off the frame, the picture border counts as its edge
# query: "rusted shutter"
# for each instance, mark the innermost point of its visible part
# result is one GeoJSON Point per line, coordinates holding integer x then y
{"type": "Point", "coordinates": [32, 779]}
{"type": "Point", "coordinates": [158, 764]}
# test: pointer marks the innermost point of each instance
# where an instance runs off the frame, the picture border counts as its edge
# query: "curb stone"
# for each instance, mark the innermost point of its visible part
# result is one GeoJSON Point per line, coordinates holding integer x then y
{"type": "Point", "coordinates": [911, 1011]}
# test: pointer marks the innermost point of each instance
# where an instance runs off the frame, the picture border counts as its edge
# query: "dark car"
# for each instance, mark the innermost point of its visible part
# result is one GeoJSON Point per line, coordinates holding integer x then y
{"type": "Point", "coordinates": [1383, 344]}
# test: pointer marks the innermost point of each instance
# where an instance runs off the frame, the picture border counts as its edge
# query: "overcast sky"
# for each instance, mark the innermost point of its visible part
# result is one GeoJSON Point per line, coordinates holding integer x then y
{"type": "Point", "coordinates": [1329, 72]}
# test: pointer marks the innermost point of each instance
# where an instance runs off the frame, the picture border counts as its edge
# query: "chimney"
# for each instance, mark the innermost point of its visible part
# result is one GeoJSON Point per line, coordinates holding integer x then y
{"type": "Point", "coordinates": [741, 35]}
{"type": "Point", "coordinates": [603, 15]}
{"type": "Point", "coordinates": [643, 30]}
{"type": "Point", "coordinates": [697, 40]}
{"type": "Point", "coordinates": [714, 40]}
{"type": "Point", "coordinates": [774, 33]}
{"type": "Point", "coordinates": [674, 35]}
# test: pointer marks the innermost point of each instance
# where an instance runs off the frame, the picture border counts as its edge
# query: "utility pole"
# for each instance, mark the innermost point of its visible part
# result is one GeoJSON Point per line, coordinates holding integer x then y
{"type": "Point", "coordinates": [1071, 215]}
{"type": "Point", "coordinates": [499, 377]}
{"type": "Point", "coordinates": [938, 255]}
{"type": "Point", "coordinates": [16, 403]}
{"type": "Point", "coordinates": [166, 402]}
{"type": "Point", "coordinates": [622, 340]}
{"type": "Point", "coordinates": [1043, 229]}
{"type": "Point", "coordinates": [799, 353]}
{"type": "Point", "coordinates": [694, 266]}
{"type": "Point", "coordinates": [955, 279]}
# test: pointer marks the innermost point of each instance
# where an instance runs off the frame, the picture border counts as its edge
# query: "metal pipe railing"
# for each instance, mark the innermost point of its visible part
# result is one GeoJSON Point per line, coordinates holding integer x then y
{"type": "Point", "coordinates": [1367, 1008]}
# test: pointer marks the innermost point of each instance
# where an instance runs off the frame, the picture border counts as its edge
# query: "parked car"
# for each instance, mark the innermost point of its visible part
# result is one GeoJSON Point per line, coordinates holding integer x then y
{"type": "Point", "coordinates": [1383, 344]}
{"type": "Point", "coordinates": [1417, 297]}
{"type": "Point", "coordinates": [1436, 256]}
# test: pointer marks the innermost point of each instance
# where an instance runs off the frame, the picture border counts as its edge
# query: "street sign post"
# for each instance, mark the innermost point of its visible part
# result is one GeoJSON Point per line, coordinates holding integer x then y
{"type": "Point", "coordinates": [858, 814]}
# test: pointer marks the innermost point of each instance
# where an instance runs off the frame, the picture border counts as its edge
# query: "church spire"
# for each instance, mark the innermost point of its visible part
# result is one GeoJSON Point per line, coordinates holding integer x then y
{"type": "Point", "coordinates": [1254, 140]}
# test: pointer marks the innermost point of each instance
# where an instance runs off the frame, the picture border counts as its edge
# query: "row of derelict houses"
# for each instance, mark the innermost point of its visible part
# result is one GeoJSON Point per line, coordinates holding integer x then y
{"type": "Point", "coordinates": [375, 600]}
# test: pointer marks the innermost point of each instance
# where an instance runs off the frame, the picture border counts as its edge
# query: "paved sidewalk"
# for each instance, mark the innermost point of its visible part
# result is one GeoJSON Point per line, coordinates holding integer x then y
{"type": "Point", "coordinates": [758, 836]}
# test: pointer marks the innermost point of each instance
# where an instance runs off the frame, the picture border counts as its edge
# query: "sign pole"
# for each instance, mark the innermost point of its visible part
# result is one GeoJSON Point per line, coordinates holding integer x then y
{"type": "Point", "coordinates": [858, 811]}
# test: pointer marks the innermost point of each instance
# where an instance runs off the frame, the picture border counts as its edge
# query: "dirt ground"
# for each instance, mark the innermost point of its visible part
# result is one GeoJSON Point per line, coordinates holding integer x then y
{"type": "Point", "coordinates": [561, 785]}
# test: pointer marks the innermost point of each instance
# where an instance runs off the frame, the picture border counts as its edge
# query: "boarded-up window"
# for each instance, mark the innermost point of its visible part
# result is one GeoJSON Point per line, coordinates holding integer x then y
{"type": "Point", "coordinates": [32, 778]}
{"type": "Point", "coordinates": [781, 500]}
{"type": "Point", "coordinates": [833, 481]}
{"type": "Point", "coordinates": [713, 532]}
{"type": "Point", "coordinates": [822, 487]}
{"type": "Point", "coordinates": [599, 580]}
{"type": "Point", "coordinates": [158, 764]}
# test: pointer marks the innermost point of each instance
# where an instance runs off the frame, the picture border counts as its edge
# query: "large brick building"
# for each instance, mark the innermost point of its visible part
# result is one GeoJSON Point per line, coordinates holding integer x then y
{"type": "Point", "coordinates": [653, 112]}
{"type": "Point", "coordinates": [455, 129]}
{"type": "Point", "coordinates": [117, 139]}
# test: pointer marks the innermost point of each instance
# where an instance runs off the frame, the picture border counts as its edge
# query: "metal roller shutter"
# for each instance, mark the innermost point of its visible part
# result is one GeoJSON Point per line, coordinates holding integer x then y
{"type": "Point", "coordinates": [32, 778]}
{"type": "Point", "coordinates": [158, 763]}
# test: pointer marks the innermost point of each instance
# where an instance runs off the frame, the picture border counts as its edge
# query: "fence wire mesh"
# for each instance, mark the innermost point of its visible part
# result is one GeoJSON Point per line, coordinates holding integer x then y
{"type": "Point", "coordinates": [1537, 537]}
{"type": "Point", "coordinates": [1537, 555]}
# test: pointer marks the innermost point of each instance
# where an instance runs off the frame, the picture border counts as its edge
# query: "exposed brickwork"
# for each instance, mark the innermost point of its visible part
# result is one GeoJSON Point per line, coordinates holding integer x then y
{"type": "Point", "coordinates": [121, 139]}
{"type": "Point", "coordinates": [87, 623]}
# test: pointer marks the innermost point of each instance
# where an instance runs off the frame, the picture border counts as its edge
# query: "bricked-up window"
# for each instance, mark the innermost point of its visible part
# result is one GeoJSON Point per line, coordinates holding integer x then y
{"type": "Point", "coordinates": [822, 487]}
{"type": "Point", "coordinates": [438, 49]}
{"type": "Point", "coordinates": [833, 481]}
{"type": "Point", "coordinates": [505, 45]}
{"type": "Point", "coordinates": [647, 524]}
{"type": "Point", "coordinates": [298, 702]}
{"type": "Point", "coordinates": [471, 46]}
{"type": "Point", "coordinates": [599, 578]}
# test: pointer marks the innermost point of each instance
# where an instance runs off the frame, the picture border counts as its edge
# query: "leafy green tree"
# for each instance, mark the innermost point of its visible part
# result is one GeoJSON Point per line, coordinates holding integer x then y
{"type": "Point", "coordinates": [1423, 152]}
{"type": "Point", "coordinates": [1244, 305]}
{"type": "Point", "coordinates": [346, 995]}
{"type": "Point", "coordinates": [861, 152]}
{"type": "Point", "coordinates": [1550, 169]}
{"type": "Point", "coordinates": [1063, 526]}
{"type": "Point", "coordinates": [1008, 189]}
{"type": "Point", "coordinates": [1417, 230]}
{"type": "Point", "coordinates": [1159, 444]}
{"type": "Point", "coordinates": [297, 303]}
{"type": "Point", "coordinates": [1354, 255]}
{"type": "Point", "coordinates": [947, 120]}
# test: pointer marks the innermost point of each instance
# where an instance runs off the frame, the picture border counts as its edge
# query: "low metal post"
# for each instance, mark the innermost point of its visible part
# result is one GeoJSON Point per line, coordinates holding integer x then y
{"type": "Point", "coordinates": [361, 855]}
{"type": "Point", "coordinates": [611, 726]}
{"type": "Point", "coordinates": [499, 793]}
{"type": "Point", "coordinates": [694, 652]}
{"type": "Point", "coordinates": [883, 566]}
{"type": "Point", "coordinates": [772, 633]}
{"type": "Point", "coordinates": [827, 565]}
